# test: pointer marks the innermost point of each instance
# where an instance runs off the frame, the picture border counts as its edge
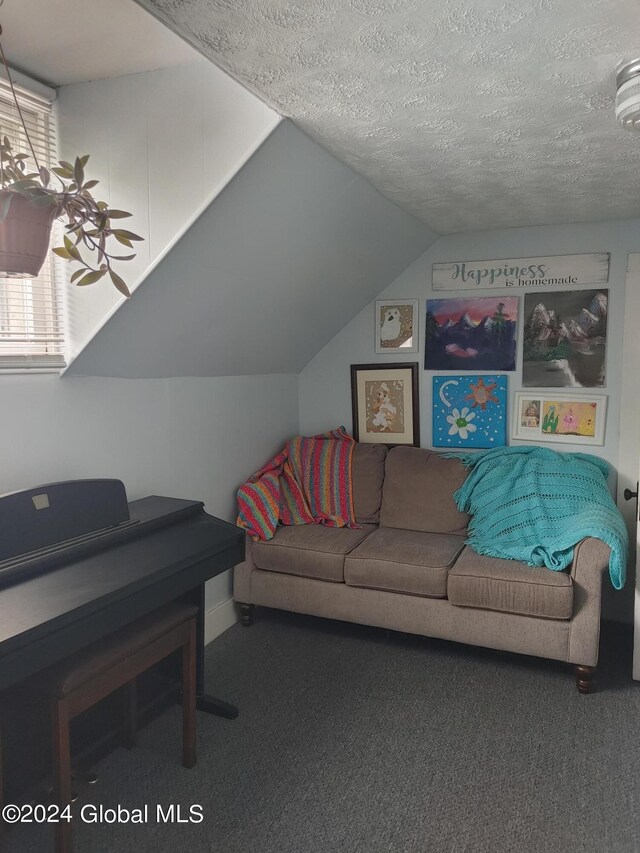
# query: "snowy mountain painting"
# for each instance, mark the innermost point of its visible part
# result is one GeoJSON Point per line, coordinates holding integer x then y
{"type": "Point", "coordinates": [471, 334]}
{"type": "Point", "coordinates": [565, 337]}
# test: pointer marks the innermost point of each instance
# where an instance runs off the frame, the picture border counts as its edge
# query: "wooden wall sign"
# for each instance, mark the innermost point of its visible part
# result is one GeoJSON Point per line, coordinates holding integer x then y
{"type": "Point", "coordinates": [559, 271]}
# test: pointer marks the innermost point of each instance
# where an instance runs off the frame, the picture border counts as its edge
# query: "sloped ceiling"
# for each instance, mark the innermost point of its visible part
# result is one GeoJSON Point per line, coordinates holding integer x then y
{"type": "Point", "coordinates": [295, 245]}
{"type": "Point", "coordinates": [470, 114]}
{"type": "Point", "coordinates": [72, 41]}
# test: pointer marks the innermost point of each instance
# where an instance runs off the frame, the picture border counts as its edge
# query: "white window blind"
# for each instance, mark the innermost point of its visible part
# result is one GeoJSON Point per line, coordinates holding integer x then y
{"type": "Point", "coordinates": [31, 322]}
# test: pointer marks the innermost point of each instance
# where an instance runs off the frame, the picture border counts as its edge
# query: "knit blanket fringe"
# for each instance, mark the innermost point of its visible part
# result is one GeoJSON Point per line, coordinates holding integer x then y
{"type": "Point", "coordinates": [534, 505]}
{"type": "Point", "coordinates": [308, 482]}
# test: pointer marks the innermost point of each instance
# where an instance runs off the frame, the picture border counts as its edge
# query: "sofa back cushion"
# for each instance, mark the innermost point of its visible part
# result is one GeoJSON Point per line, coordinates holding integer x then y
{"type": "Point", "coordinates": [367, 478]}
{"type": "Point", "coordinates": [418, 492]}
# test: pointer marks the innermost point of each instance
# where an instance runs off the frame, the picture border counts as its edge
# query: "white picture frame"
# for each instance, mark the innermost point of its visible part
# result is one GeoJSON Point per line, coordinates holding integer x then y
{"type": "Point", "coordinates": [562, 418]}
{"type": "Point", "coordinates": [396, 326]}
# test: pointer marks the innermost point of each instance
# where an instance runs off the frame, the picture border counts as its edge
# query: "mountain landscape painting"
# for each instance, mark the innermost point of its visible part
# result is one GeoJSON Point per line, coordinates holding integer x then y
{"type": "Point", "coordinates": [471, 334]}
{"type": "Point", "coordinates": [565, 337]}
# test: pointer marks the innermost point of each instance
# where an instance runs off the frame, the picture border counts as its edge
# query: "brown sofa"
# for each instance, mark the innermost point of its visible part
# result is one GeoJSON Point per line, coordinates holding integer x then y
{"type": "Point", "coordinates": [408, 569]}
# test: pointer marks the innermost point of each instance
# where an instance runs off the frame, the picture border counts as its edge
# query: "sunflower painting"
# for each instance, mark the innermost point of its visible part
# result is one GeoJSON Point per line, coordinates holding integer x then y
{"type": "Point", "coordinates": [469, 411]}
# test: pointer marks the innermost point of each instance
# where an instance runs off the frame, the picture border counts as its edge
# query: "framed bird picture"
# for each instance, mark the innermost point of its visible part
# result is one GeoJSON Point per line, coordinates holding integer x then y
{"type": "Point", "coordinates": [396, 325]}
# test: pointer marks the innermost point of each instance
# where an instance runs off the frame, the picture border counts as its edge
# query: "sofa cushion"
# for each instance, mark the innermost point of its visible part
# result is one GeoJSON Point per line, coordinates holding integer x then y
{"type": "Point", "coordinates": [418, 491]}
{"type": "Point", "coordinates": [367, 478]}
{"type": "Point", "coordinates": [309, 550]}
{"type": "Point", "coordinates": [403, 561]}
{"type": "Point", "coordinates": [509, 586]}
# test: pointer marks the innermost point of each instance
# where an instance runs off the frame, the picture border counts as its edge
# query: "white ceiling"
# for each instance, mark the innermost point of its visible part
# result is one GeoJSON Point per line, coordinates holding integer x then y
{"type": "Point", "coordinates": [72, 41]}
{"type": "Point", "coordinates": [471, 114]}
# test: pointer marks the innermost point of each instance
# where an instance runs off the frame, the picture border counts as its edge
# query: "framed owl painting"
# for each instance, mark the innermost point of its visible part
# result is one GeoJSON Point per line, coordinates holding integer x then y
{"type": "Point", "coordinates": [396, 325]}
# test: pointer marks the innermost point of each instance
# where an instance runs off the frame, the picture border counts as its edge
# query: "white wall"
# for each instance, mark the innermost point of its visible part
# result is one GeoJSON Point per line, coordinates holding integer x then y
{"type": "Point", "coordinates": [187, 438]}
{"type": "Point", "coordinates": [163, 144]}
{"type": "Point", "coordinates": [325, 396]}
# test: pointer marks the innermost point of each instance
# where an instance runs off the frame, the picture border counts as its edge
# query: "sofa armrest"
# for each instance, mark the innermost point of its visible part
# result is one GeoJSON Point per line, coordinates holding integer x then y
{"type": "Point", "coordinates": [590, 561]}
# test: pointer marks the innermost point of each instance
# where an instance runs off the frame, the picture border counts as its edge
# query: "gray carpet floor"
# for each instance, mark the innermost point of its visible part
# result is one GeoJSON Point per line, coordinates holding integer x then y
{"type": "Point", "coordinates": [361, 740]}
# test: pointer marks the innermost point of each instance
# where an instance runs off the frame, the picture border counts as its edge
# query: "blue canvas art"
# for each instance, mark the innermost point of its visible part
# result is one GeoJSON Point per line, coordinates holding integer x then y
{"type": "Point", "coordinates": [469, 411]}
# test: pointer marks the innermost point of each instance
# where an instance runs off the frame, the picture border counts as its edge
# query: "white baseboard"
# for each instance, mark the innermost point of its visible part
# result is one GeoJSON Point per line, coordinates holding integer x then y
{"type": "Point", "coordinates": [219, 619]}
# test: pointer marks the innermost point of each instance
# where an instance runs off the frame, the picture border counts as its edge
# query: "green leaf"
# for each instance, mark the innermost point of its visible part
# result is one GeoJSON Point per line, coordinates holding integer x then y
{"type": "Point", "coordinates": [91, 277]}
{"type": "Point", "coordinates": [45, 200]}
{"type": "Point", "coordinates": [122, 232]}
{"type": "Point", "coordinates": [78, 172]}
{"type": "Point", "coordinates": [91, 184]}
{"type": "Point", "coordinates": [70, 247]}
{"type": "Point", "coordinates": [66, 165]}
{"type": "Point", "coordinates": [23, 184]}
{"type": "Point", "coordinates": [44, 176]}
{"type": "Point", "coordinates": [118, 214]}
{"type": "Point", "coordinates": [62, 253]}
{"type": "Point", "coordinates": [62, 173]}
{"type": "Point", "coordinates": [84, 159]}
{"type": "Point", "coordinates": [119, 283]}
{"type": "Point", "coordinates": [77, 274]}
{"type": "Point", "coordinates": [124, 240]}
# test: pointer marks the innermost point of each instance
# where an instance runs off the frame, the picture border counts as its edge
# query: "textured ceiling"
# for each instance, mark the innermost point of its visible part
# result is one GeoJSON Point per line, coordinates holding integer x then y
{"type": "Point", "coordinates": [471, 114]}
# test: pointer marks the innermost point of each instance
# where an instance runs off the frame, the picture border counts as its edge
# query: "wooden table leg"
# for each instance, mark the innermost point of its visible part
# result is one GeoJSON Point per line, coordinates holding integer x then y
{"type": "Point", "coordinates": [189, 698]}
{"type": "Point", "coordinates": [61, 771]}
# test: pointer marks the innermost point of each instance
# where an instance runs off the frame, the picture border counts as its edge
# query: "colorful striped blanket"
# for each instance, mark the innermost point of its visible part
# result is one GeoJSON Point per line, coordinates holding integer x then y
{"type": "Point", "coordinates": [309, 482]}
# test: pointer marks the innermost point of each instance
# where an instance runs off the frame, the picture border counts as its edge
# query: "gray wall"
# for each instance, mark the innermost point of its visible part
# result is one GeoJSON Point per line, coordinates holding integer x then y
{"type": "Point", "coordinates": [292, 249]}
{"type": "Point", "coordinates": [325, 397]}
{"type": "Point", "coordinates": [187, 438]}
{"type": "Point", "coordinates": [280, 260]}
{"type": "Point", "coordinates": [132, 127]}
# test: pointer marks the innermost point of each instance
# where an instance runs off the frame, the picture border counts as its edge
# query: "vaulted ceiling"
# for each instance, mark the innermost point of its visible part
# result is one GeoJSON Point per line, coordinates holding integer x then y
{"type": "Point", "coordinates": [470, 114]}
{"type": "Point", "coordinates": [71, 41]}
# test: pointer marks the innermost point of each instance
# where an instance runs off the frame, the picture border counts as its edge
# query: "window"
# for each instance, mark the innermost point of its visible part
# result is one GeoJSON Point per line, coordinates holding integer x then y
{"type": "Point", "coordinates": [31, 327]}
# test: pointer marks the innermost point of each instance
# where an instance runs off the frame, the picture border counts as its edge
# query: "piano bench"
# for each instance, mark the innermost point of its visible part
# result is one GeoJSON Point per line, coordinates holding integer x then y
{"type": "Point", "coordinates": [114, 662]}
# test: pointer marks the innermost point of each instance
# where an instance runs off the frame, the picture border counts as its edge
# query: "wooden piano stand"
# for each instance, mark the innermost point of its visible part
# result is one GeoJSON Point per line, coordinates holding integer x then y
{"type": "Point", "coordinates": [78, 683]}
{"type": "Point", "coordinates": [211, 705]}
{"type": "Point", "coordinates": [77, 564]}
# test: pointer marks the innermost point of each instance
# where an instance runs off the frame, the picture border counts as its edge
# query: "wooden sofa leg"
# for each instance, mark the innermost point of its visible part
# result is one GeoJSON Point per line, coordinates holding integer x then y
{"type": "Point", "coordinates": [584, 678]}
{"type": "Point", "coordinates": [246, 614]}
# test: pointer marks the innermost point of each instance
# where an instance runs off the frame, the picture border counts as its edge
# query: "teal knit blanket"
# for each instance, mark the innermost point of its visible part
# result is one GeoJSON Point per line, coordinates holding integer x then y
{"type": "Point", "coordinates": [534, 505]}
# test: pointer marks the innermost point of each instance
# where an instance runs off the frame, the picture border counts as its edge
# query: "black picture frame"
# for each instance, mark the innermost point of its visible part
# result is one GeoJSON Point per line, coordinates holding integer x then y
{"type": "Point", "coordinates": [387, 410]}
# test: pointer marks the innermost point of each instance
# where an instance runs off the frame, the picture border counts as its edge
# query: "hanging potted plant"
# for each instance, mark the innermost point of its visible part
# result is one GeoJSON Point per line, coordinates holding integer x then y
{"type": "Point", "coordinates": [30, 201]}
{"type": "Point", "coordinates": [28, 206]}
